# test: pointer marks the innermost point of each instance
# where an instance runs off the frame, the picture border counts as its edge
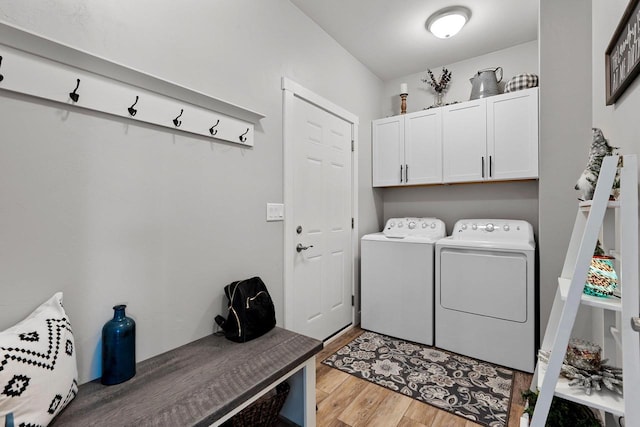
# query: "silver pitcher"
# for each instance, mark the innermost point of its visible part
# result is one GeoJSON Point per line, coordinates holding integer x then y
{"type": "Point", "coordinates": [485, 83]}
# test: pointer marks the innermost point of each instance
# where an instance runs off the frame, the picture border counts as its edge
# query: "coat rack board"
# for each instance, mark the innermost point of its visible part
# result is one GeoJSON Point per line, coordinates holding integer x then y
{"type": "Point", "coordinates": [36, 66]}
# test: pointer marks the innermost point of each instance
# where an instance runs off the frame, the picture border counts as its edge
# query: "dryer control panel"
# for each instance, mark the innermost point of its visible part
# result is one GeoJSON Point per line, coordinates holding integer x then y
{"type": "Point", "coordinates": [410, 226]}
{"type": "Point", "coordinates": [493, 230]}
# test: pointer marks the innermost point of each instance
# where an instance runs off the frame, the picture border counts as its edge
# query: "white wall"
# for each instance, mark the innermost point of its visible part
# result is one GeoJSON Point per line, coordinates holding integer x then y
{"type": "Point", "coordinates": [619, 122]}
{"type": "Point", "coordinates": [512, 200]}
{"type": "Point", "coordinates": [112, 211]}
{"type": "Point", "coordinates": [522, 58]}
{"type": "Point", "coordinates": [565, 131]}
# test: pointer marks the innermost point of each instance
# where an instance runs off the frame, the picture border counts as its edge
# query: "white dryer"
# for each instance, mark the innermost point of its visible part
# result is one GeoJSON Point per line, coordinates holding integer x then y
{"type": "Point", "coordinates": [397, 278]}
{"type": "Point", "coordinates": [485, 292]}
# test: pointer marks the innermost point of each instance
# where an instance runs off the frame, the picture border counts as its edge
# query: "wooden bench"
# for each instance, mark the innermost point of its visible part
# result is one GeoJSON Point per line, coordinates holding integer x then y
{"type": "Point", "coordinates": [203, 383]}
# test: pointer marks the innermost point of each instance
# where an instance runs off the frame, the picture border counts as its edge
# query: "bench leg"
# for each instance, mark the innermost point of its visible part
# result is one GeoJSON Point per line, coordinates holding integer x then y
{"type": "Point", "coordinates": [310, 392]}
{"type": "Point", "coordinates": [300, 406]}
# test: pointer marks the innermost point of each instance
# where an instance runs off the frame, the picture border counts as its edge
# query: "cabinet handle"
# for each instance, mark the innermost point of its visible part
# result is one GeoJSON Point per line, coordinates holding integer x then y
{"type": "Point", "coordinates": [400, 173]}
{"type": "Point", "coordinates": [635, 324]}
{"type": "Point", "coordinates": [490, 168]}
{"type": "Point", "coordinates": [406, 173]}
{"type": "Point", "coordinates": [483, 166]}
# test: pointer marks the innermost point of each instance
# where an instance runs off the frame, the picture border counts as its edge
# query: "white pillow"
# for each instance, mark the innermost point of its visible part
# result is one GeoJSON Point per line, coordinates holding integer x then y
{"type": "Point", "coordinates": [38, 371]}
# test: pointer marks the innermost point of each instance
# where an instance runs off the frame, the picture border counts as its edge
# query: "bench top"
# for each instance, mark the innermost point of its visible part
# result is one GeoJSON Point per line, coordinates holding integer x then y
{"type": "Point", "coordinates": [193, 385]}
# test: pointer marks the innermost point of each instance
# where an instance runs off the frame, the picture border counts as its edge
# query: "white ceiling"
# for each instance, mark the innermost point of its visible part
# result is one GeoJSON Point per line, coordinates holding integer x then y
{"type": "Point", "coordinates": [390, 38]}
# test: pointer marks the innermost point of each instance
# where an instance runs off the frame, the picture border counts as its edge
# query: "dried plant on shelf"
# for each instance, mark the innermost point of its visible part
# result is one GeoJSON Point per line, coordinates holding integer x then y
{"type": "Point", "coordinates": [440, 85]}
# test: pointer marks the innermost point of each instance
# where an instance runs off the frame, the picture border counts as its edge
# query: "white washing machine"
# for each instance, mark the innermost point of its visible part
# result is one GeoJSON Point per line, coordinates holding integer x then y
{"type": "Point", "coordinates": [485, 292]}
{"type": "Point", "coordinates": [397, 278]}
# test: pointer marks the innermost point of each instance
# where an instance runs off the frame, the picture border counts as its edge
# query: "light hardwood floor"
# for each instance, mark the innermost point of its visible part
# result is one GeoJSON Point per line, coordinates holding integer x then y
{"type": "Point", "coordinates": [344, 400]}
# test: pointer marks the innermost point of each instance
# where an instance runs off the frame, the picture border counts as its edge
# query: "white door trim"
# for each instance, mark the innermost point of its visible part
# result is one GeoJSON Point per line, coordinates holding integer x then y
{"type": "Point", "coordinates": [290, 90]}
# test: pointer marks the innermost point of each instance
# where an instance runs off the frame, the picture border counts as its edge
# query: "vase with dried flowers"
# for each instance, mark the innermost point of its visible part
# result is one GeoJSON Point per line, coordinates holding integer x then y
{"type": "Point", "coordinates": [439, 86]}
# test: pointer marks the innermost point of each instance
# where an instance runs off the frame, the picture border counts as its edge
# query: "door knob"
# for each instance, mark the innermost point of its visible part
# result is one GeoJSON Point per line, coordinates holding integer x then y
{"type": "Point", "coordinates": [301, 248]}
{"type": "Point", "coordinates": [635, 324]}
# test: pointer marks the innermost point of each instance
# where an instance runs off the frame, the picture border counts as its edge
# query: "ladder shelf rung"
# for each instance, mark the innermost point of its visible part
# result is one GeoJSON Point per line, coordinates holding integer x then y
{"type": "Point", "coordinates": [607, 303]}
{"type": "Point", "coordinates": [604, 399]}
{"type": "Point", "coordinates": [586, 205]}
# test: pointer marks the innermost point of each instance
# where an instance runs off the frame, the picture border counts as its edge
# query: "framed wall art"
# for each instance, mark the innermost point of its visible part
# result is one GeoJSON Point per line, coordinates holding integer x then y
{"type": "Point", "coordinates": [622, 57]}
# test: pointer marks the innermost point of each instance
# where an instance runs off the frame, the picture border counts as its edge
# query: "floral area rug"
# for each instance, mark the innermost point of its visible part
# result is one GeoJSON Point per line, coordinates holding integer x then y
{"type": "Point", "coordinates": [473, 389]}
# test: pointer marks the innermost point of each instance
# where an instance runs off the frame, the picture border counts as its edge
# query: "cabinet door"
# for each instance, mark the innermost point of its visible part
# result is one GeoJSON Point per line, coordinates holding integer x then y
{"type": "Point", "coordinates": [512, 135]}
{"type": "Point", "coordinates": [464, 139]}
{"type": "Point", "coordinates": [388, 151]}
{"type": "Point", "coordinates": [423, 147]}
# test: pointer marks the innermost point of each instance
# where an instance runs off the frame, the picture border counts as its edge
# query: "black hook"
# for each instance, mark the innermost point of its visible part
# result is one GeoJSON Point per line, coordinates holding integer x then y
{"type": "Point", "coordinates": [1, 76]}
{"type": "Point", "coordinates": [177, 122]}
{"type": "Point", "coordinates": [243, 138]}
{"type": "Point", "coordinates": [73, 95]}
{"type": "Point", "coordinates": [213, 131]}
{"type": "Point", "coordinates": [132, 110]}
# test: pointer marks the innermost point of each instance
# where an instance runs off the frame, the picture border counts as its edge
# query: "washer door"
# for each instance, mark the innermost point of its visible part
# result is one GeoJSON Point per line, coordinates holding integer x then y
{"type": "Point", "coordinates": [484, 282]}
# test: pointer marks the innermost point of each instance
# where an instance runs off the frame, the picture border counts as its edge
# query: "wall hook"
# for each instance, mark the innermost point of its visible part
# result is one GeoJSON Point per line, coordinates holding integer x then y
{"type": "Point", "coordinates": [213, 131]}
{"type": "Point", "coordinates": [177, 122]}
{"type": "Point", "coordinates": [132, 110]}
{"type": "Point", "coordinates": [243, 138]}
{"type": "Point", "coordinates": [73, 95]}
{"type": "Point", "coordinates": [1, 76]}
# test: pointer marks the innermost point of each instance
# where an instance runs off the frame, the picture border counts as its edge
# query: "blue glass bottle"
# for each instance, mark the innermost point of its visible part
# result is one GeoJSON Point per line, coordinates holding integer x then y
{"type": "Point", "coordinates": [118, 348]}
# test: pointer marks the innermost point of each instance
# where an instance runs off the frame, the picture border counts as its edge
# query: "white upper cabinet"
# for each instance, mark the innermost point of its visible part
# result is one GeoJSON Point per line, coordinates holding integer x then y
{"type": "Point", "coordinates": [423, 147]}
{"type": "Point", "coordinates": [464, 141]}
{"type": "Point", "coordinates": [407, 149]}
{"type": "Point", "coordinates": [512, 135]}
{"type": "Point", "coordinates": [388, 151]}
{"type": "Point", "coordinates": [488, 139]}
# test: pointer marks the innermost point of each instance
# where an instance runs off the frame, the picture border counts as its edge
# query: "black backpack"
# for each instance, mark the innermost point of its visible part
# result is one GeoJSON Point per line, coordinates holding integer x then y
{"type": "Point", "coordinates": [251, 311]}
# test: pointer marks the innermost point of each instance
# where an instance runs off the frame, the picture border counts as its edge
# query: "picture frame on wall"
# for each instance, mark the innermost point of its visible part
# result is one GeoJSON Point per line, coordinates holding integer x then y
{"type": "Point", "coordinates": [622, 57]}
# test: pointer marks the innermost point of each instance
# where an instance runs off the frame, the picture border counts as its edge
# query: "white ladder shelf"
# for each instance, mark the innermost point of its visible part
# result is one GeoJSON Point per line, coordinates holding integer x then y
{"type": "Point", "coordinates": [590, 220]}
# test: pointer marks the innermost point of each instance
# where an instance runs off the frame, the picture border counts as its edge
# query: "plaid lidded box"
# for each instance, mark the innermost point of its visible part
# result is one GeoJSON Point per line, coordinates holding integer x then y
{"type": "Point", "coordinates": [521, 81]}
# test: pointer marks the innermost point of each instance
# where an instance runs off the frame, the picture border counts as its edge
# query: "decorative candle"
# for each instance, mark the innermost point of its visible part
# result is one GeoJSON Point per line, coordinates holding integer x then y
{"type": "Point", "coordinates": [403, 88]}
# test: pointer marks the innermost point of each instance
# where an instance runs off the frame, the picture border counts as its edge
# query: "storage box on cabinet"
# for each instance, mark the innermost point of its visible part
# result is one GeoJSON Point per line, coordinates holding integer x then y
{"type": "Point", "coordinates": [407, 149]}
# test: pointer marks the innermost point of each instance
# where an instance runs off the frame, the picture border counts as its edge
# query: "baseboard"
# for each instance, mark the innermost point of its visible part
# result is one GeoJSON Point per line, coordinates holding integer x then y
{"type": "Point", "coordinates": [338, 334]}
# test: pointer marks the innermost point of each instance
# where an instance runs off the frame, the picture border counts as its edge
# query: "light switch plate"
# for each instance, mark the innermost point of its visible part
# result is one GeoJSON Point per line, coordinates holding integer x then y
{"type": "Point", "coordinates": [275, 212]}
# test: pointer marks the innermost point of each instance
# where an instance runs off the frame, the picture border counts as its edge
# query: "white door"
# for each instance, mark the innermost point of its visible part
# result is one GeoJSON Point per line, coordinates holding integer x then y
{"type": "Point", "coordinates": [388, 151]}
{"type": "Point", "coordinates": [464, 140]}
{"type": "Point", "coordinates": [318, 221]}
{"type": "Point", "coordinates": [423, 147]}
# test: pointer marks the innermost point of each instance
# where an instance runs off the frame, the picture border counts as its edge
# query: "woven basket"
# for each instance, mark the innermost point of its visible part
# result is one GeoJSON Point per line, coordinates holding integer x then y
{"type": "Point", "coordinates": [264, 411]}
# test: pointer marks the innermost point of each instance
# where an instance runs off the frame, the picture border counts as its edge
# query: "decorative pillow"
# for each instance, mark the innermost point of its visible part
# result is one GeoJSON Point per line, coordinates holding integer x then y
{"type": "Point", "coordinates": [38, 371]}
{"type": "Point", "coordinates": [521, 81]}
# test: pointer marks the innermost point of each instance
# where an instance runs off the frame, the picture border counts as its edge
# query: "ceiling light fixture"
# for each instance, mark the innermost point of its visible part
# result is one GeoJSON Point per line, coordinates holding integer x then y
{"type": "Point", "coordinates": [448, 21]}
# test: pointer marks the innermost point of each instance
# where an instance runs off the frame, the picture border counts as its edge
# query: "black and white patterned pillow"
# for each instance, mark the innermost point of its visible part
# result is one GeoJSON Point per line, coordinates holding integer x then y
{"type": "Point", "coordinates": [520, 82]}
{"type": "Point", "coordinates": [38, 371]}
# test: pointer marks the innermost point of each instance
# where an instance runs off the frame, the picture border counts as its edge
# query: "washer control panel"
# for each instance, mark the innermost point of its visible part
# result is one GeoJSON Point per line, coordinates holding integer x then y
{"type": "Point", "coordinates": [493, 229]}
{"type": "Point", "coordinates": [411, 226]}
